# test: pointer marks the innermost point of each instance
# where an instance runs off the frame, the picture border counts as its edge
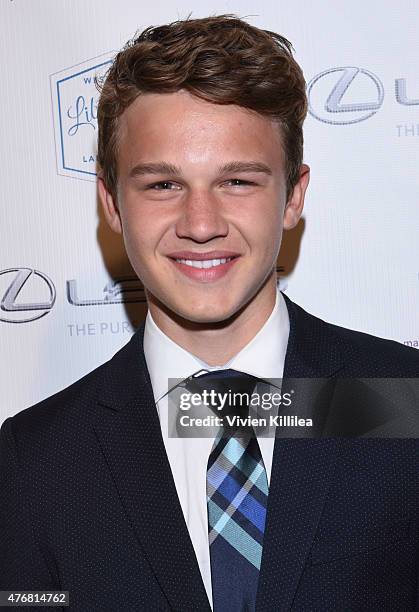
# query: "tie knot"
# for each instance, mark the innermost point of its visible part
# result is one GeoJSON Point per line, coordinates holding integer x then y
{"type": "Point", "coordinates": [222, 381]}
{"type": "Point", "coordinates": [228, 391]}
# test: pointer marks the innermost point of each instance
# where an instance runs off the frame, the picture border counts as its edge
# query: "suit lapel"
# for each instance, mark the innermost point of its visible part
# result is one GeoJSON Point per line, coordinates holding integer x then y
{"type": "Point", "coordinates": [301, 470]}
{"type": "Point", "coordinates": [128, 430]}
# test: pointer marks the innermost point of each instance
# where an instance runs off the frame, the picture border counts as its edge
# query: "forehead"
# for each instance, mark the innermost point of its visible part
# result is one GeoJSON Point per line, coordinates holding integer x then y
{"type": "Point", "coordinates": [180, 127]}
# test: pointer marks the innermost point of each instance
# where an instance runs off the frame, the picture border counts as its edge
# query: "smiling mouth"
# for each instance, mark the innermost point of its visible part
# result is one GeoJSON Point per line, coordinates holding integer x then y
{"type": "Point", "coordinates": [205, 263]}
{"type": "Point", "coordinates": [204, 267]}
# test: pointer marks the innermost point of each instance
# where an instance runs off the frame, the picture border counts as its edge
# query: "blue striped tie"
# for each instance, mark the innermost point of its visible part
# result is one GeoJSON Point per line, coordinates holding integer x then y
{"type": "Point", "coordinates": [237, 495]}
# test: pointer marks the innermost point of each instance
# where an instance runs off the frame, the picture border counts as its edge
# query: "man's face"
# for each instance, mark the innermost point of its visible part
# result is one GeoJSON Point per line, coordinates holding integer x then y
{"type": "Point", "coordinates": [201, 200]}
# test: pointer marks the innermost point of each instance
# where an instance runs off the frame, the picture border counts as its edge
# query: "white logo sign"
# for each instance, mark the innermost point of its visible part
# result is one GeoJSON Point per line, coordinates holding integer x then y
{"type": "Point", "coordinates": [344, 95]}
{"type": "Point", "coordinates": [75, 97]}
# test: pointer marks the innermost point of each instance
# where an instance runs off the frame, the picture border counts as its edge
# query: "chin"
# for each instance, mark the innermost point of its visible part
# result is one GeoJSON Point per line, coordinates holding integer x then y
{"type": "Point", "coordinates": [198, 309]}
{"type": "Point", "coordinates": [205, 318]}
{"type": "Point", "coordinates": [207, 314]}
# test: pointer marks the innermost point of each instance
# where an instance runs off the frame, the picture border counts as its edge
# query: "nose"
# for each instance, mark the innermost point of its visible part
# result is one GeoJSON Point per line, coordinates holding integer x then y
{"type": "Point", "coordinates": [201, 217]}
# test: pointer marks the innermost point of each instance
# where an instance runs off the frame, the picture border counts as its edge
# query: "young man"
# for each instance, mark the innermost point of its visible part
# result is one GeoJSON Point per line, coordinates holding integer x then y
{"type": "Point", "coordinates": [200, 146]}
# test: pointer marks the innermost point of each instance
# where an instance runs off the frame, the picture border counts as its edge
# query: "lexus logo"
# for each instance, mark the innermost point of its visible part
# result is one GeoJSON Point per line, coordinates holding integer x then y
{"type": "Point", "coordinates": [27, 295]}
{"type": "Point", "coordinates": [361, 90]}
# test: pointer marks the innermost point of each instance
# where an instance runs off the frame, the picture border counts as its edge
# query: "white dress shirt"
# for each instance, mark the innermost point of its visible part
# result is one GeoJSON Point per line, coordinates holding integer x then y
{"type": "Point", "coordinates": [264, 357]}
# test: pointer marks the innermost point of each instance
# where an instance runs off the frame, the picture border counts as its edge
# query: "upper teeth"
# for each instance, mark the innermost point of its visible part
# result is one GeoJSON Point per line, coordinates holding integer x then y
{"type": "Point", "coordinates": [205, 263]}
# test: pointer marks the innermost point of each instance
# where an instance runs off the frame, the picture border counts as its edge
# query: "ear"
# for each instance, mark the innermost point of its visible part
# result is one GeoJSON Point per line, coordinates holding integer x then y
{"type": "Point", "coordinates": [109, 206]}
{"type": "Point", "coordinates": [295, 203]}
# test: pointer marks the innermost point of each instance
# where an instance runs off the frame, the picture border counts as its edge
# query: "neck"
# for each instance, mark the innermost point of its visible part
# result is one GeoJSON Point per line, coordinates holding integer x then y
{"type": "Point", "coordinates": [217, 343]}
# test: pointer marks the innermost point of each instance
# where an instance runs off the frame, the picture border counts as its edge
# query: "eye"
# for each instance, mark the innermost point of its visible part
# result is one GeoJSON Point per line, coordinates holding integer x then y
{"type": "Point", "coordinates": [235, 182]}
{"type": "Point", "coordinates": [163, 186]}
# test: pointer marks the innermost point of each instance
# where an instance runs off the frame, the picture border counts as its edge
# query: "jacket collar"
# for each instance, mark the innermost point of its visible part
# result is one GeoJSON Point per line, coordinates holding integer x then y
{"type": "Point", "coordinates": [313, 351]}
{"type": "Point", "coordinates": [129, 434]}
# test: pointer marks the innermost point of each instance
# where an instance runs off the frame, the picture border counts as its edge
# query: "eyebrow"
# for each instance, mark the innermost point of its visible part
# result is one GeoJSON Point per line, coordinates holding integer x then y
{"type": "Point", "coordinates": [170, 169]}
{"type": "Point", "coordinates": [248, 166]}
{"type": "Point", "coordinates": [156, 168]}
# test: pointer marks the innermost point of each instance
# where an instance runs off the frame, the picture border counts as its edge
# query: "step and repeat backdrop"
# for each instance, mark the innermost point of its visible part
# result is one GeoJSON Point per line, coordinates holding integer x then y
{"type": "Point", "coordinates": [69, 298]}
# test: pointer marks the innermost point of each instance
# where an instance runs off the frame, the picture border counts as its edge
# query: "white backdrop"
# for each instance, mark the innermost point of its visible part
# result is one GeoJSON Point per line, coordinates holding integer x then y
{"type": "Point", "coordinates": [68, 296]}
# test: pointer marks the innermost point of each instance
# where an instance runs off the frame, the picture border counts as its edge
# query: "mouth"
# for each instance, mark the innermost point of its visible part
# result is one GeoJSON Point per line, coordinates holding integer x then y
{"type": "Point", "coordinates": [204, 263]}
{"type": "Point", "coordinates": [205, 267]}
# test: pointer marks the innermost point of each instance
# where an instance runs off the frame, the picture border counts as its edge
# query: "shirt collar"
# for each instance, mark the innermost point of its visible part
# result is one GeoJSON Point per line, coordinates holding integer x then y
{"type": "Point", "coordinates": [263, 356]}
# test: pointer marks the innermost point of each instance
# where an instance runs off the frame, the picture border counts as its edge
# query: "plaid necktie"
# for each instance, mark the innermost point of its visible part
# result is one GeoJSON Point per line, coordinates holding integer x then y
{"type": "Point", "coordinates": [237, 495]}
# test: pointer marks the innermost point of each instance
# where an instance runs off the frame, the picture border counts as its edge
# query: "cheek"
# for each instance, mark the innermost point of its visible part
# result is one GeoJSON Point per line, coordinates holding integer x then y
{"type": "Point", "coordinates": [264, 229]}
{"type": "Point", "coordinates": [270, 239]}
{"type": "Point", "coordinates": [141, 232]}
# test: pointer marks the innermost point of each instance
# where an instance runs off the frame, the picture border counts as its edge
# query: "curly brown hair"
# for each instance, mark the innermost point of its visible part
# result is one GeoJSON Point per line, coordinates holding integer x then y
{"type": "Point", "coordinates": [220, 59]}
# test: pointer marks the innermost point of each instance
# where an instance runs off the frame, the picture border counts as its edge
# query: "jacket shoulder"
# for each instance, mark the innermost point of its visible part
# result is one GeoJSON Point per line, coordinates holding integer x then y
{"type": "Point", "coordinates": [388, 357]}
{"type": "Point", "coordinates": [69, 406]}
{"type": "Point", "coordinates": [363, 354]}
{"type": "Point", "coordinates": [61, 406]}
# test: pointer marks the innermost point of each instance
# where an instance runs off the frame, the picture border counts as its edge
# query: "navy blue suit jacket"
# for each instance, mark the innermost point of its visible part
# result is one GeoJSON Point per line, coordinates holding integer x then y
{"type": "Point", "coordinates": [88, 503]}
